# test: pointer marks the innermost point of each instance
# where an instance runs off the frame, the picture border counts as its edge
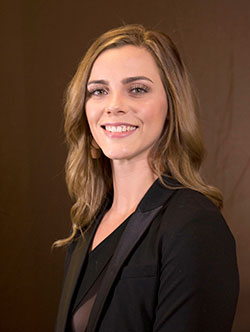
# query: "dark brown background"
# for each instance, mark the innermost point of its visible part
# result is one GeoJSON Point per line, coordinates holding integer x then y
{"type": "Point", "coordinates": [41, 45]}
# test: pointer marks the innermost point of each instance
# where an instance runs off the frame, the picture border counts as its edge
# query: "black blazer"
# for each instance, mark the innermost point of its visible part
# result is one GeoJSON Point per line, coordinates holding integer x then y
{"type": "Point", "coordinates": [173, 270]}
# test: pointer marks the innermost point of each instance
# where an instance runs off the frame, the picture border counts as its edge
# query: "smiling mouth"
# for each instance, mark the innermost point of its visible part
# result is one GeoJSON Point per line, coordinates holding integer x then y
{"type": "Point", "coordinates": [119, 128]}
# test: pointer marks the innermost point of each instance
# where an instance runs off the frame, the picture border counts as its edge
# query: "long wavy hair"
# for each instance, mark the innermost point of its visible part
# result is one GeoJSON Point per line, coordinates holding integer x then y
{"type": "Point", "coordinates": [179, 151]}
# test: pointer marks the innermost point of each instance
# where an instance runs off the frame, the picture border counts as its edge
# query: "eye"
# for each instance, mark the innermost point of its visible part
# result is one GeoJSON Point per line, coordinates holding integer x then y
{"type": "Point", "coordinates": [97, 92]}
{"type": "Point", "coordinates": [139, 90]}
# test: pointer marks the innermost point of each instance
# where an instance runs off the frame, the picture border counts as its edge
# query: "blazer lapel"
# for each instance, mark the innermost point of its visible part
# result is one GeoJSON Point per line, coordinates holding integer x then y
{"type": "Point", "coordinates": [147, 210]}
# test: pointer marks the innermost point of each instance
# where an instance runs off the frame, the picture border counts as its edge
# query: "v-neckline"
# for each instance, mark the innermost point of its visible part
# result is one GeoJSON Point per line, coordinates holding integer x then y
{"type": "Point", "coordinates": [108, 237]}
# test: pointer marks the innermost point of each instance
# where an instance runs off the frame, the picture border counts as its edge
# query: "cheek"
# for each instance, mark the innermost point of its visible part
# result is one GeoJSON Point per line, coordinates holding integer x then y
{"type": "Point", "coordinates": [93, 111]}
{"type": "Point", "coordinates": [156, 112]}
{"type": "Point", "coordinates": [163, 110]}
{"type": "Point", "coordinates": [156, 119]}
{"type": "Point", "coordinates": [90, 115]}
{"type": "Point", "coordinates": [90, 121]}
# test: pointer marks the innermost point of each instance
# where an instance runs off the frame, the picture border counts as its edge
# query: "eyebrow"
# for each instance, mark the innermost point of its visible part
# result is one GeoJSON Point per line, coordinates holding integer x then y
{"type": "Point", "coordinates": [136, 78]}
{"type": "Point", "coordinates": [124, 81]}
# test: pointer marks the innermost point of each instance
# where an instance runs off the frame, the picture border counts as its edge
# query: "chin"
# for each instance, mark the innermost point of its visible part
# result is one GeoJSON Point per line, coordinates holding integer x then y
{"type": "Point", "coordinates": [116, 154]}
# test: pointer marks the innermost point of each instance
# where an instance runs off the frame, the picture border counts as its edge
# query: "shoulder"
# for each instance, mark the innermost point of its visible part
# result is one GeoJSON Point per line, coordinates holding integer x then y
{"type": "Point", "coordinates": [193, 217]}
{"type": "Point", "coordinates": [195, 236]}
{"type": "Point", "coordinates": [188, 204]}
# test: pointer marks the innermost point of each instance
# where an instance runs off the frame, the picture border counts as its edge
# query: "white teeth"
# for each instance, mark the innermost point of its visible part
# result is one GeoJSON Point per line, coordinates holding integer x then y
{"type": "Point", "coordinates": [119, 129]}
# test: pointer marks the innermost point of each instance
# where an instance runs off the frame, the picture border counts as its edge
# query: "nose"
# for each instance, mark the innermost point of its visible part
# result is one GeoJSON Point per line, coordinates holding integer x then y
{"type": "Point", "coordinates": [116, 104]}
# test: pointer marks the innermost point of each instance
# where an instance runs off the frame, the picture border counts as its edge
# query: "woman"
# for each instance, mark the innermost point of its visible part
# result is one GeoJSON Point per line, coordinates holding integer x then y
{"type": "Point", "coordinates": [149, 249]}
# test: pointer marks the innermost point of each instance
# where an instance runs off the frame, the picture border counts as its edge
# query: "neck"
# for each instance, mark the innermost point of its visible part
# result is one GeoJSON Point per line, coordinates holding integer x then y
{"type": "Point", "coordinates": [130, 183]}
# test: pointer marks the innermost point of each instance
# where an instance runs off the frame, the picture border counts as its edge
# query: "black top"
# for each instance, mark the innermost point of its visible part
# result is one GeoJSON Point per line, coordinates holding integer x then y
{"type": "Point", "coordinates": [92, 275]}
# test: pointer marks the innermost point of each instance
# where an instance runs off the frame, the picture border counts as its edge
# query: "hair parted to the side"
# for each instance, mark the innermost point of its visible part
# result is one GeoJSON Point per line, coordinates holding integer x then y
{"type": "Point", "coordinates": [179, 151]}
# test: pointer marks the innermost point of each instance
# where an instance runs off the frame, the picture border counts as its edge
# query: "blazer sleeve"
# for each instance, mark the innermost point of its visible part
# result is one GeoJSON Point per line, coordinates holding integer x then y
{"type": "Point", "coordinates": [199, 282]}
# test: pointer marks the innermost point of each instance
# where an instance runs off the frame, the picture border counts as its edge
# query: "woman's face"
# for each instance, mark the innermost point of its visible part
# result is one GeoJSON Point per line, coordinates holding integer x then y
{"type": "Point", "coordinates": [126, 105]}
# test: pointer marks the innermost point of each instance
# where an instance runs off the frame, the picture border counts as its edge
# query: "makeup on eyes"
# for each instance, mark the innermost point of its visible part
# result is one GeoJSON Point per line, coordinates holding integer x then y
{"type": "Point", "coordinates": [99, 89]}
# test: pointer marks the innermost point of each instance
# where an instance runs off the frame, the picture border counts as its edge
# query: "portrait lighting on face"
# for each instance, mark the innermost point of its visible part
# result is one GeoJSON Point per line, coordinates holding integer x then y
{"type": "Point", "coordinates": [126, 103]}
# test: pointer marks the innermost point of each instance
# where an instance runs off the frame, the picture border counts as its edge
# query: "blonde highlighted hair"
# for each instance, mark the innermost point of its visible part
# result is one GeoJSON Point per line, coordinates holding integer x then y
{"type": "Point", "coordinates": [179, 151]}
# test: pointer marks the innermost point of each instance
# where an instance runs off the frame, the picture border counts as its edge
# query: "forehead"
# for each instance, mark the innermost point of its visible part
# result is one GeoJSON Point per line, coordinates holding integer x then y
{"type": "Point", "coordinates": [125, 61]}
